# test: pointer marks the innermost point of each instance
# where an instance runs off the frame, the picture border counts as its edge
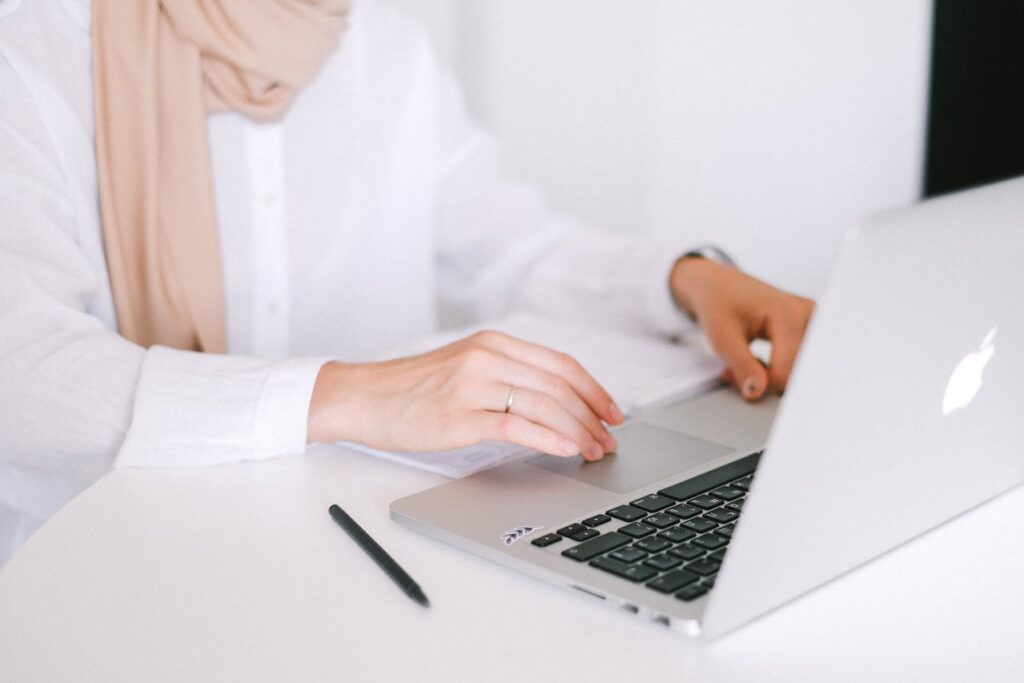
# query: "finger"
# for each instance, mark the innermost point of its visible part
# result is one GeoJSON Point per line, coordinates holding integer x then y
{"type": "Point", "coordinates": [510, 371]}
{"type": "Point", "coordinates": [509, 427]}
{"type": "Point", "coordinates": [496, 366]}
{"type": "Point", "coordinates": [559, 364]}
{"type": "Point", "coordinates": [730, 342]}
{"type": "Point", "coordinates": [785, 340]}
{"type": "Point", "coordinates": [542, 409]}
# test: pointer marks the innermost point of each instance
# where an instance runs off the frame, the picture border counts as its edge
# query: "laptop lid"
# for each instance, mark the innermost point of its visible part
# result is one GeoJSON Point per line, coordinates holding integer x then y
{"type": "Point", "coordinates": [906, 406]}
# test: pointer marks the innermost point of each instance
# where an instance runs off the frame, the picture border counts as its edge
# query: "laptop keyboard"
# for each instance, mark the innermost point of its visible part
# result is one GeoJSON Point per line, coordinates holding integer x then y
{"type": "Point", "coordinates": [672, 540]}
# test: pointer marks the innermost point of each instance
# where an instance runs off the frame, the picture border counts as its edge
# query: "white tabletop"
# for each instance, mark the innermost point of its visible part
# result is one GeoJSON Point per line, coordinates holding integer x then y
{"type": "Point", "coordinates": [238, 573]}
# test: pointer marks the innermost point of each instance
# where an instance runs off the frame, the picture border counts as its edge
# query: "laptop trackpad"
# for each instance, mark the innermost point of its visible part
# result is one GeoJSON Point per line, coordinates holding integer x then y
{"type": "Point", "coordinates": [645, 455]}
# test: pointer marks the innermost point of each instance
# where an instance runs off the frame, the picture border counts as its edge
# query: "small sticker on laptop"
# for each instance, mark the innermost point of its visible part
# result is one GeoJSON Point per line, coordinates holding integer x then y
{"type": "Point", "coordinates": [513, 535]}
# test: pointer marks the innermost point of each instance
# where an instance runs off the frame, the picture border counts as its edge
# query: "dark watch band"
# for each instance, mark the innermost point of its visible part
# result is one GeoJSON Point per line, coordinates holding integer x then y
{"type": "Point", "coordinates": [712, 253]}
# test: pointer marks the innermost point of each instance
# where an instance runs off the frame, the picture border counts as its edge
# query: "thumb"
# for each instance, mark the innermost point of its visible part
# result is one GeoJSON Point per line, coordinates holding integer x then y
{"type": "Point", "coordinates": [730, 342]}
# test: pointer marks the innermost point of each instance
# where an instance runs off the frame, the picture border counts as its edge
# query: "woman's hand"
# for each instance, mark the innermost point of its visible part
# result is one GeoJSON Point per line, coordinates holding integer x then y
{"type": "Point", "coordinates": [733, 309]}
{"type": "Point", "coordinates": [456, 395]}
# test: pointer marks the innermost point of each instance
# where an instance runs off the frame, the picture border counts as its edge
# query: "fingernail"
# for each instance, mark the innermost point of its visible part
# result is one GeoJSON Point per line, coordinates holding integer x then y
{"type": "Point", "coordinates": [596, 452]}
{"type": "Point", "coordinates": [615, 413]}
{"type": "Point", "coordinates": [750, 387]}
{"type": "Point", "coordinates": [568, 447]}
{"type": "Point", "coordinates": [609, 443]}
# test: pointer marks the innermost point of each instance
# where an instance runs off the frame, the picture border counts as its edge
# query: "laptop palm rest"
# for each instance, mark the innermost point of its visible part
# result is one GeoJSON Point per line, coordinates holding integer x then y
{"type": "Point", "coordinates": [646, 454]}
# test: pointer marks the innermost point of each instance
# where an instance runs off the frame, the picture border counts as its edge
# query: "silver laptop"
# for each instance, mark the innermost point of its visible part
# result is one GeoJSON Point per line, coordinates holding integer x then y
{"type": "Point", "coordinates": [905, 409]}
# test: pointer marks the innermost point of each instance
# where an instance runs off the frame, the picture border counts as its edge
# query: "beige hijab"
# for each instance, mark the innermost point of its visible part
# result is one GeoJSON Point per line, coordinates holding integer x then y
{"type": "Point", "coordinates": [158, 67]}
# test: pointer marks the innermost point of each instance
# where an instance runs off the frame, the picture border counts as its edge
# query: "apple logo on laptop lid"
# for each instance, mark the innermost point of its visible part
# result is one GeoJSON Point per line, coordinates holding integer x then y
{"type": "Point", "coordinates": [965, 382]}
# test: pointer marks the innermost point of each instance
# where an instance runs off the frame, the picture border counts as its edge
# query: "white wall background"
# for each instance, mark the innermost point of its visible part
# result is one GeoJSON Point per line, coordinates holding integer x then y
{"type": "Point", "coordinates": [766, 128]}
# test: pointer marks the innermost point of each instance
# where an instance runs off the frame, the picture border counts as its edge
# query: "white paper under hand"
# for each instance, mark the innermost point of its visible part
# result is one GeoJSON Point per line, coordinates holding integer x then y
{"type": "Point", "coordinates": [639, 372]}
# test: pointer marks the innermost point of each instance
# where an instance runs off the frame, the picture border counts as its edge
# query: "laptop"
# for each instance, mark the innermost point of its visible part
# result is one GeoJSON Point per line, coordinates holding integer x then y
{"type": "Point", "coordinates": [905, 409]}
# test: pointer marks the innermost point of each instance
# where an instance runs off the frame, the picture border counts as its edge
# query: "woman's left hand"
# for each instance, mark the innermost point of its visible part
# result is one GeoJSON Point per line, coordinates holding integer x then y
{"type": "Point", "coordinates": [733, 309]}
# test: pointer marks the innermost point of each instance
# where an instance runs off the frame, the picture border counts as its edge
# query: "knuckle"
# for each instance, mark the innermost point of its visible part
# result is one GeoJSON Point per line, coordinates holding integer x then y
{"type": "Point", "coordinates": [568, 363]}
{"type": "Point", "coordinates": [485, 337]}
{"type": "Point", "coordinates": [796, 309]}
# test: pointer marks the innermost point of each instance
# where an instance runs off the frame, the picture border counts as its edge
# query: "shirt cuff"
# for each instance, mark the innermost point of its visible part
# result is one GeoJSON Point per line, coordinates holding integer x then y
{"type": "Point", "coordinates": [662, 313]}
{"type": "Point", "coordinates": [197, 409]}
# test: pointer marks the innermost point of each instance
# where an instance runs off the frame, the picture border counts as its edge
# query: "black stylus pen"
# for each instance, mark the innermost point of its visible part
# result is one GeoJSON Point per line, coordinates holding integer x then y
{"type": "Point", "coordinates": [379, 555]}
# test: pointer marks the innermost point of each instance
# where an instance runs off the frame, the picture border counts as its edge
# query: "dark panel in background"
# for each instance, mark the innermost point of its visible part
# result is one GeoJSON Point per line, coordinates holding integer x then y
{"type": "Point", "coordinates": [976, 113]}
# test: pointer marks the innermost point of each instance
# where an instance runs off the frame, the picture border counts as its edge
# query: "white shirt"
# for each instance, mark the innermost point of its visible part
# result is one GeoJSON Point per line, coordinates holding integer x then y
{"type": "Point", "coordinates": [342, 227]}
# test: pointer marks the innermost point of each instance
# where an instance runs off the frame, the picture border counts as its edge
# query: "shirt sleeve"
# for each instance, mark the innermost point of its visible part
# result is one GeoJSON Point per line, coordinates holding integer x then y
{"type": "Point", "coordinates": [502, 249]}
{"type": "Point", "coordinates": [75, 395]}
{"type": "Point", "coordinates": [195, 409]}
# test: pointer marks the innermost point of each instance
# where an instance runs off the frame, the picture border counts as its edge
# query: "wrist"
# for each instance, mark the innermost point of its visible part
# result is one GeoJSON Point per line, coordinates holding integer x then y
{"type": "Point", "coordinates": [686, 281]}
{"type": "Point", "coordinates": [331, 415]}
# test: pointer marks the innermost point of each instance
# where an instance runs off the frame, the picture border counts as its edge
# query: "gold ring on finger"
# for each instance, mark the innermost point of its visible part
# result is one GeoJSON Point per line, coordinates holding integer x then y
{"type": "Point", "coordinates": [511, 397]}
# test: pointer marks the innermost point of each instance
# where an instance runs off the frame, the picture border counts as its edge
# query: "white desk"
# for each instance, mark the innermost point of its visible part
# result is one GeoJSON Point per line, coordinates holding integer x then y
{"type": "Point", "coordinates": [238, 573]}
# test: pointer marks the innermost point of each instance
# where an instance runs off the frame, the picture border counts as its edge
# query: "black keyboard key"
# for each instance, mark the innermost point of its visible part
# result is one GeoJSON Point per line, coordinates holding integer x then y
{"type": "Point", "coordinates": [661, 521]}
{"type": "Point", "coordinates": [726, 530]}
{"type": "Point", "coordinates": [699, 524]}
{"type": "Point", "coordinates": [653, 544]}
{"type": "Point", "coordinates": [568, 531]}
{"type": "Point", "coordinates": [705, 502]}
{"type": "Point", "coordinates": [709, 581]}
{"type": "Point", "coordinates": [626, 513]}
{"type": "Point", "coordinates": [712, 479]}
{"type": "Point", "coordinates": [692, 592]}
{"type": "Point", "coordinates": [727, 493]}
{"type": "Point", "coordinates": [687, 551]}
{"type": "Point", "coordinates": [673, 581]}
{"type": "Point", "coordinates": [636, 530]}
{"type": "Point", "coordinates": [704, 567]}
{"type": "Point", "coordinates": [630, 572]}
{"type": "Point", "coordinates": [628, 555]}
{"type": "Point", "coordinates": [743, 484]}
{"type": "Point", "coordinates": [677, 535]}
{"type": "Point", "coordinates": [546, 540]}
{"type": "Point", "coordinates": [596, 546]}
{"type": "Point", "coordinates": [717, 555]}
{"type": "Point", "coordinates": [663, 563]}
{"type": "Point", "coordinates": [596, 520]}
{"type": "Point", "coordinates": [653, 503]}
{"type": "Point", "coordinates": [721, 516]}
{"type": "Point", "coordinates": [737, 505]}
{"type": "Point", "coordinates": [683, 511]}
{"type": "Point", "coordinates": [710, 541]}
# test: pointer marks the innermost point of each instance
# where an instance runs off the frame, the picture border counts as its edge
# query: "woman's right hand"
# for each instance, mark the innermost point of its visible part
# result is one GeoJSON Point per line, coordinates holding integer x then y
{"type": "Point", "coordinates": [456, 395]}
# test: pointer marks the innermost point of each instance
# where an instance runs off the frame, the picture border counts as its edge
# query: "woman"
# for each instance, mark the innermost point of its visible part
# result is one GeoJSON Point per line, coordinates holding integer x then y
{"type": "Point", "coordinates": [204, 202]}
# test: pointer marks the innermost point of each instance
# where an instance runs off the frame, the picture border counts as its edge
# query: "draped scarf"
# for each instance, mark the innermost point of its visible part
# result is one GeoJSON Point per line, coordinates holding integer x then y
{"type": "Point", "coordinates": [159, 66]}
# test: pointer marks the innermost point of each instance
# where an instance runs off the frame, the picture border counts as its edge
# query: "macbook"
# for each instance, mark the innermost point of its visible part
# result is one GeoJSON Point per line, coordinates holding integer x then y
{"type": "Point", "coordinates": [905, 409]}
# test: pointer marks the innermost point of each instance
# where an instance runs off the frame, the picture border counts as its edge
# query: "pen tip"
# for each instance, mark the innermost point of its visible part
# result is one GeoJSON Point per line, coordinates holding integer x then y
{"type": "Point", "coordinates": [417, 594]}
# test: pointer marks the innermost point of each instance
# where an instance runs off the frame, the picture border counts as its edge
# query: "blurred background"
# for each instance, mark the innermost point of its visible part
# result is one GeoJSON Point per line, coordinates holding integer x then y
{"type": "Point", "coordinates": [765, 128]}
